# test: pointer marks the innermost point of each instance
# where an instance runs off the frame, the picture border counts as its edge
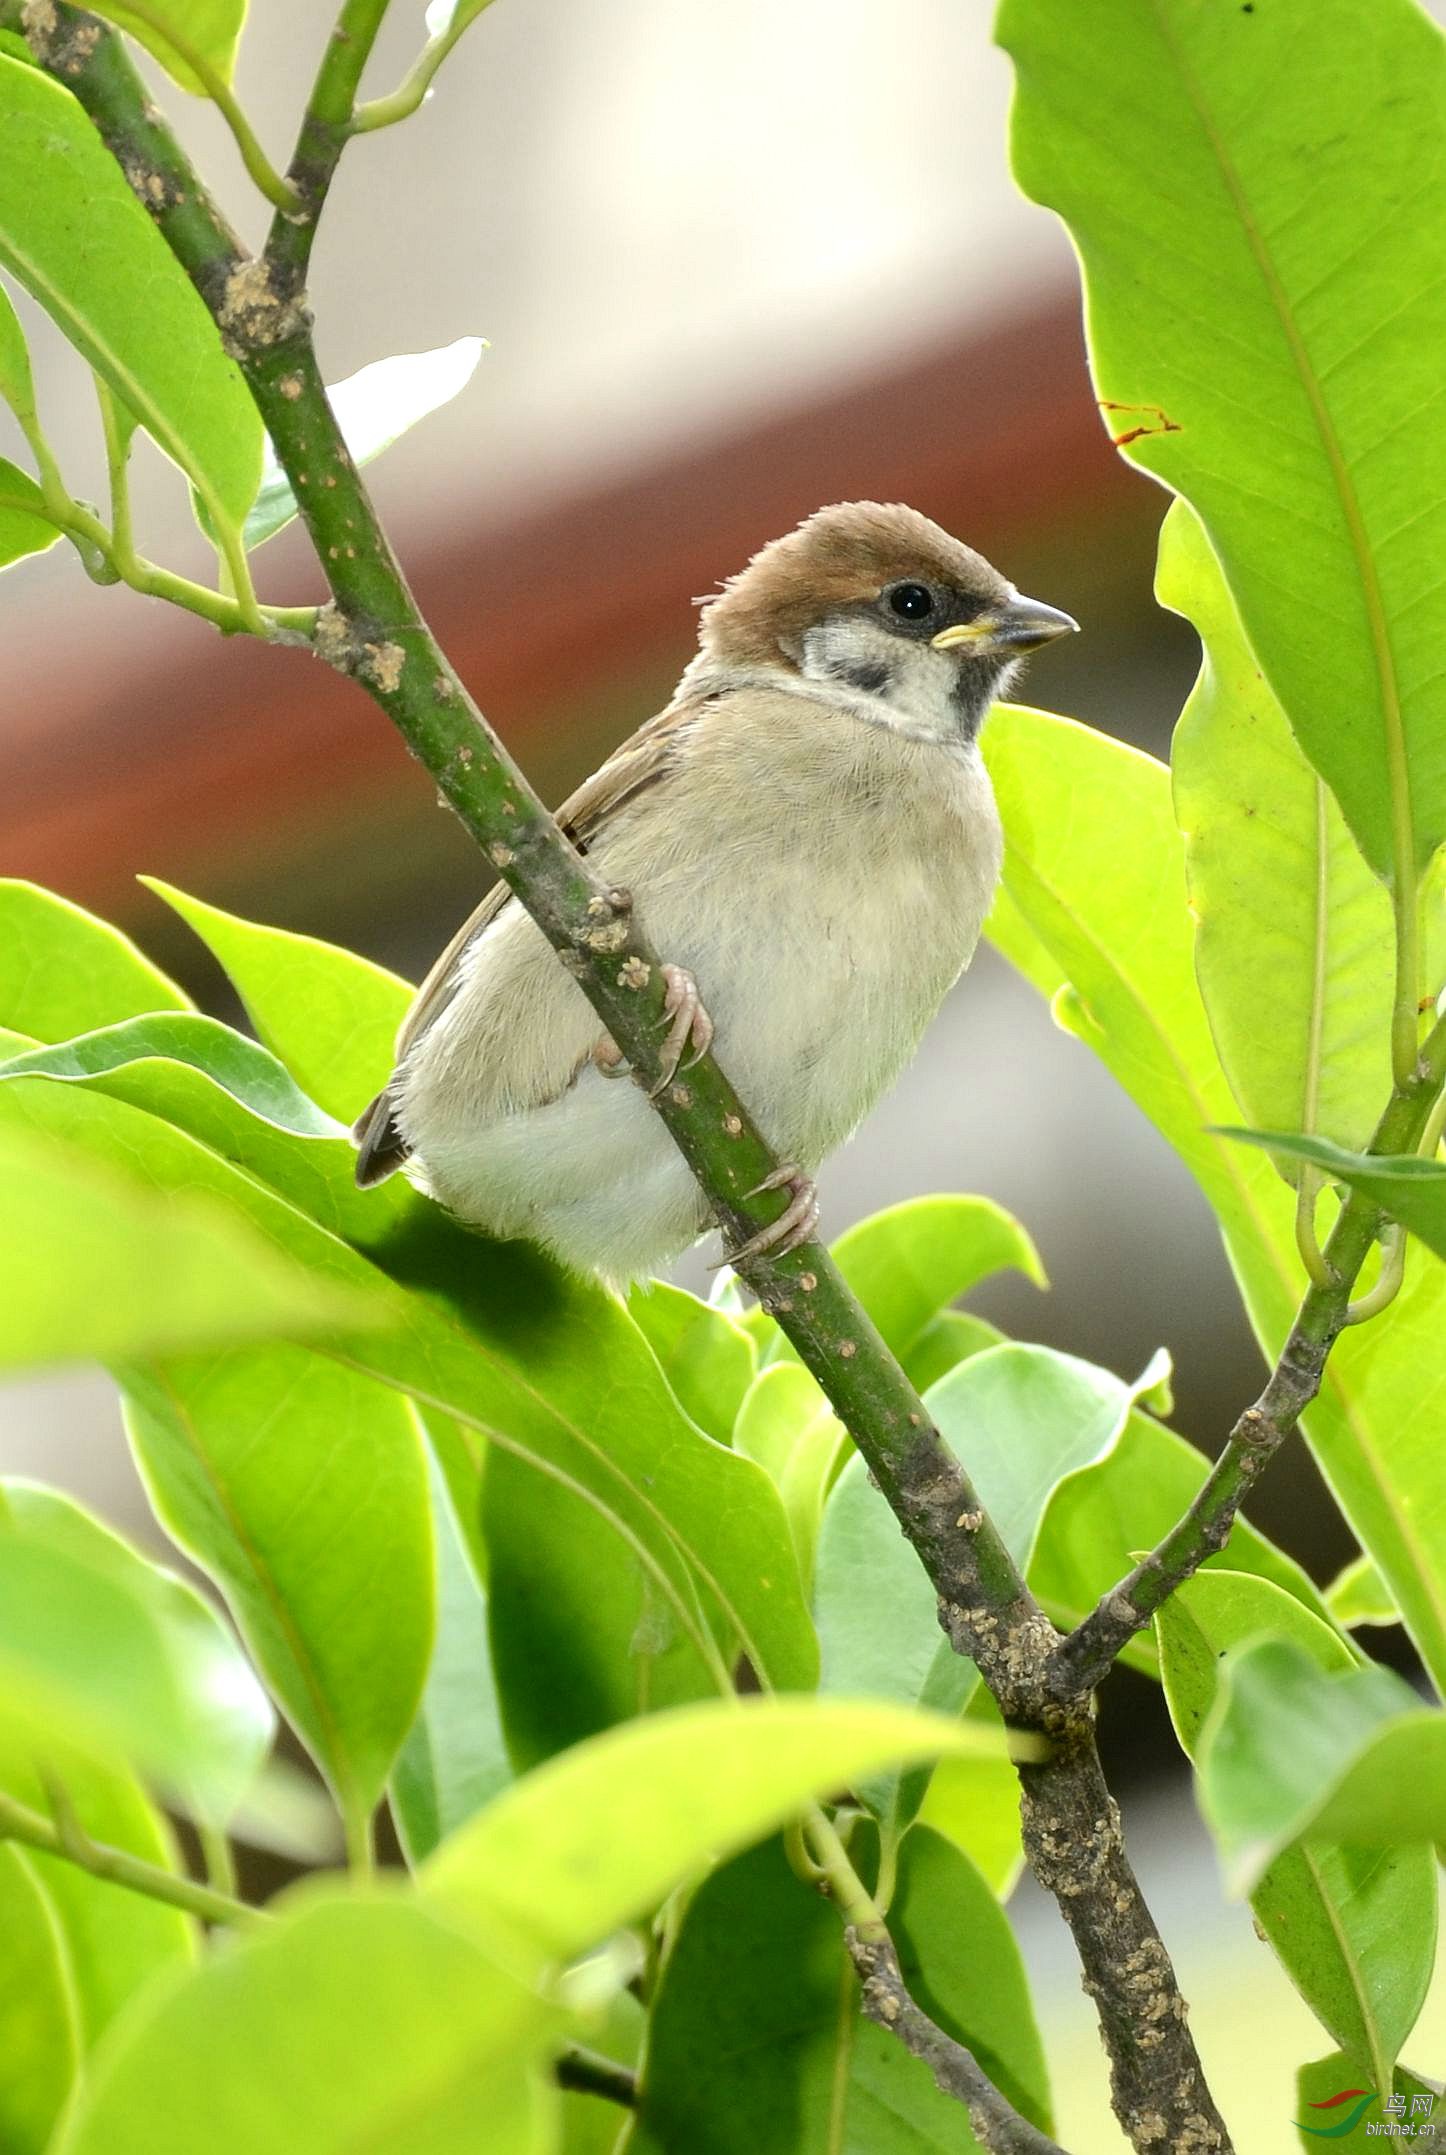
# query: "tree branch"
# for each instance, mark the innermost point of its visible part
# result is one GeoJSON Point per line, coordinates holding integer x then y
{"type": "Point", "coordinates": [957, 2072]}
{"type": "Point", "coordinates": [119, 1866]}
{"type": "Point", "coordinates": [587, 2072]}
{"type": "Point", "coordinates": [1085, 1657]}
{"type": "Point", "coordinates": [374, 632]}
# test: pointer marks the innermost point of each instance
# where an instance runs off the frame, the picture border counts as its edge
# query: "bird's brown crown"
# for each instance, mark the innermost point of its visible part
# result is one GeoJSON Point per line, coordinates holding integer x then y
{"type": "Point", "coordinates": [839, 556]}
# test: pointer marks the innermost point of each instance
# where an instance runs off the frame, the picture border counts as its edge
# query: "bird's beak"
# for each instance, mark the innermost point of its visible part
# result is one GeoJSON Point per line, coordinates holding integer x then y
{"type": "Point", "coordinates": [1019, 625]}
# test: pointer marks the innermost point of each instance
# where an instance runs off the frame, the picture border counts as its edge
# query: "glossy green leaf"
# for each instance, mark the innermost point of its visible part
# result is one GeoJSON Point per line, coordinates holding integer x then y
{"type": "Point", "coordinates": [786, 1424]}
{"type": "Point", "coordinates": [1295, 944]}
{"type": "Point", "coordinates": [1097, 1522]}
{"type": "Point", "coordinates": [947, 1340]}
{"type": "Point", "coordinates": [1022, 1418]}
{"type": "Point", "coordinates": [62, 971]}
{"type": "Point", "coordinates": [602, 1834]}
{"type": "Point", "coordinates": [84, 248]}
{"type": "Point", "coordinates": [105, 1650]}
{"type": "Point", "coordinates": [328, 1015]}
{"type": "Point", "coordinates": [1293, 1752]}
{"type": "Point", "coordinates": [454, 1759]}
{"type": "Point", "coordinates": [1336, 2099]}
{"type": "Point", "coordinates": [357, 2025]}
{"type": "Point", "coordinates": [1358, 1596]}
{"type": "Point", "coordinates": [39, 2017]}
{"type": "Point", "coordinates": [707, 1359]}
{"type": "Point", "coordinates": [493, 1336]}
{"type": "Point", "coordinates": [1405, 1186]}
{"type": "Point", "coordinates": [1354, 1928]}
{"type": "Point", "coordinates": [114, 1942]}
{"type": "Point", "coordinates": [757, 2045]}
{"type": "Point", "coordinates": [373, 408]}
{"type": "Point", "coordinates": [71, 1285]}
{"type": "Point", "coordinates": [300, 1488]}
{"type": "Point", "coordinates": [1095, 913]}
{"type": "Point", "coordinates": [25, 528]}
{"type": "Point", "coordinates": [17, 383]}
{"type": "Point", "coordinates": [209, 28]}
{"type": "Point", "coordinates": [1288, 204]}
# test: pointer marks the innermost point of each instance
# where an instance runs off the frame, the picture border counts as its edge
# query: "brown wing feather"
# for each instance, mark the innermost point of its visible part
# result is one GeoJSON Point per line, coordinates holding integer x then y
{"type": "Point", "coordinates": [642, 760]}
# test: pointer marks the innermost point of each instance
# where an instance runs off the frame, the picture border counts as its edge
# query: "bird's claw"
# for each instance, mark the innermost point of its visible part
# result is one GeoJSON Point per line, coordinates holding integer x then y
{"type": "Point", "coordinates": [795, 1224]}
{"type": "Point", "coordinates": [687, 1022]}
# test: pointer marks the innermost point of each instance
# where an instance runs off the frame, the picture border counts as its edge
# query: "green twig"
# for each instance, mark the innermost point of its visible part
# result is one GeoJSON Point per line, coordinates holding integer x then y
{"type": "Point", "coordinates": [587, 2072]}
{"type": "Point", "coordinates": [1084, 1658]}
{"type": "Point", "coordinates": [119, 1866]}
{"type": "Point", "coordinates": [409, 93]}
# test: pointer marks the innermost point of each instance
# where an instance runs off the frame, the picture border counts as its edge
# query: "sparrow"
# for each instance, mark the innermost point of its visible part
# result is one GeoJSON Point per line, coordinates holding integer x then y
{"type": "Point", "coordinates": [810, 838]}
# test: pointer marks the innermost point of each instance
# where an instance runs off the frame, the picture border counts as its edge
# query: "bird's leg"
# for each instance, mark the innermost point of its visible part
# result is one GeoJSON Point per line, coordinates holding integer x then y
{"type": "Point", "coordinates": [687, 1022]}
{"type": "Point", "coordinates": [794, 1224]}
{"type": "Point", "coordinates": [608, 1057]}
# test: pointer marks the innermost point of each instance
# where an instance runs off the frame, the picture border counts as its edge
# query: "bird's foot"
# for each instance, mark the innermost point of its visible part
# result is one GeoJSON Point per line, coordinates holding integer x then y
{"type": "Point", "coordinates": [795, 1224]}
{"type": "Point", "coordinates": [608, 1057]}
{"type": "Point", "coordinates": [687, 1022]}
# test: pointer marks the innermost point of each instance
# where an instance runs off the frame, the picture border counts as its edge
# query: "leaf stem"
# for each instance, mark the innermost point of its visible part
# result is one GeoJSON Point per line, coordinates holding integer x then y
{"type": "Point", "coordinates": [222, 96]}
{"type": "Point", "coordinates": [588, 2072]}
{"type": "Point", "coordinates": [409, 93]}
{"type": "Point", "coordinates": [120, 1867]}
{"type": "Point", "coordinates": [359, 1831]}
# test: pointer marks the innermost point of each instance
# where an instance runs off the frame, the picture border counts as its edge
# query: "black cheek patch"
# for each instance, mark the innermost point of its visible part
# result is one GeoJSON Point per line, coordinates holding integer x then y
{"type": "Point", "coordinates": [873, 676]}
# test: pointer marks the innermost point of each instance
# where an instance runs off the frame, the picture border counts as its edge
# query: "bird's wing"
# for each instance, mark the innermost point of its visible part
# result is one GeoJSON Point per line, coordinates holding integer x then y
{"type": "Point", "coordinates": [641, 762]}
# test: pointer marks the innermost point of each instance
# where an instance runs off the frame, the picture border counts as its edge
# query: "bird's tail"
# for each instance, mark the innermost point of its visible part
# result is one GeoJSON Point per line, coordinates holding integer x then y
{"type": "Point", "coordinates": [381, 1147]}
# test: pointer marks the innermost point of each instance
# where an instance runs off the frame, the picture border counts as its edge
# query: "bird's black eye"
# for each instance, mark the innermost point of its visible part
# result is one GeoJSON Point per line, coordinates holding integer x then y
{"type": "Point", "coordinates": [911, 602]}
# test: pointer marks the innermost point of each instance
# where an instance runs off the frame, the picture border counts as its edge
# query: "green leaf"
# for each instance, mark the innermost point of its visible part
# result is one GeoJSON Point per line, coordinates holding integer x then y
{"type": "Point", "coordinates": [209, 28]}
{"type": "Point", "coordinates": [909, 1262]}
{"type": "Point", "coordinates": [86, 250]}
{"type": "Point", "coordinates": [1354, 1928]}
{"type": "Point", "coordinates": [70, 1281]}
{"type": "Point", "coordinates": [39, 2032]}
{"type": "Point", "coordinates": [25, 527]}
{"type": "Point", "coordinates": [600, 1835]}
{"type": "Point", "coordinates": [1358, 1596]}
{"type": "Point", "coordinates": [1095, 913]}
{"type": "Point", "coordinates": [545, 1367]}
{"type": "Point", "coordinates": [1289, 918]}
{"type": "Point", "coordinates": [1022, 1418]}
{"type": "Point", "coordinates": [707, 1359]}
{"type": "Point", "coordinates": [454, 1759]}
{"type": "Point", "coordinates": [62, 971]}
{"type": "Point", "coordinates": [1336, 2099]}
{"type": "Point", "coordinates": [1097, 1521]}
{"type": "Point", "coordinates": [107, 1651]}
{"type": "Point", "coordinates": [17, 383]}
{"type": "Point", "coordinates": [328, 1015]}
{"type": "Point", "coordinates": [373, 408]}
{"type": "Point", "coordinates": [950, 1338]}
{"type": "Point", "coordinates": [1405, 1186]}
{"type": "Point", "coordinates": [244, 1069]}
{"type": "Point", "coordinates": [1293, 1752]}
{"type": "Point", "coordinates": [974, 1802]}
{"type": "Point", "coordinates": [756, 2043]}
{"type": "Point", "coordinates": [451, 17]}
{"type": "Point", "coordinates": [786, 1424]}
{"type": "Point", "coordinates": [114, 1942]}
{"type": "Point", "coordinates": [1225, 310]}
{"type": "Point", "coordinates": [349, 2026]}
{"type": "Point", "coordinates": [300, 1488]}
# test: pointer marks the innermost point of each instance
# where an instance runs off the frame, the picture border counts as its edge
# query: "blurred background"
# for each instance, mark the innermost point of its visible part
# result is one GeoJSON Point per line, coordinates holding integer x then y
{"type": "Point", "coordinates": [732, 263]}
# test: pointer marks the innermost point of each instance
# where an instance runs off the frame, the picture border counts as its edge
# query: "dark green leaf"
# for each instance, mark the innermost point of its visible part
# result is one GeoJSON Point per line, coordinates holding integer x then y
{"type": "Point", "coordinates": [1225, 312]}
{"type": "Point", "coordinates": [85, 249]}
{"type": "Point", "coordinates": [1406, 1187]}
